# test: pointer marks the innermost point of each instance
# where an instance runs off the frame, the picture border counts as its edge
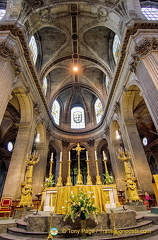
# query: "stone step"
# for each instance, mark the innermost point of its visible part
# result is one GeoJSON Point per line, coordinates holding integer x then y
{"type": "Point", "coordinates": [141, 225]}
{"type": "Point", "coordinates": [134, 236]}
{"type": "Point", "coordinates": [21, 223]}
{"type": "Point", "coordinates": [7, 236]}
{"type": "Point", "coordinates": [22, 232]}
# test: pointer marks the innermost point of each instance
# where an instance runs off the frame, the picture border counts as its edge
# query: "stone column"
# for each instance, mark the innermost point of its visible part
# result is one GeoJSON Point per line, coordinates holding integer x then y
{"type": "Point", "coordinates": [40, 168]}
{"type": "Point", "coordinates": [17, 167]}
{"type": "Point", "coordinates": [5, 86]}
{"type": "Point", "coordinates": [139, 161]}
{"type": "Point", "coordinates": [117, 166]}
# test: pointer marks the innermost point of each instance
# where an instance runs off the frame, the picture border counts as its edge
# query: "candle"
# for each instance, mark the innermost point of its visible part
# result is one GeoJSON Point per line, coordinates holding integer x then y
{"type": "Point", "coordinates": [51, 159]}
{"type": "Point", "coordinates": [69, 156]}
{"type": "Point", "coordinates": [104, 156]}
{"type": "Point", "coordinates": [87, 155]}
{"type": "Point", "coordinates": [95, 155]}
{"type": "Point", "coordinates": [60, 156]}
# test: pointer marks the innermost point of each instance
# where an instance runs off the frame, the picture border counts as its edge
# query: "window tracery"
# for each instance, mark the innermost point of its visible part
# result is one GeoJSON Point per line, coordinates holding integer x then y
{"type": "Point", "coordinates": [98, 110]}
{"type": "Point", "coordinates": [77, 118]}
{"type": "Point", "coordinates": [150, 13]}
{"type": "Point", "coordinates": [2, 13]}
{"type": "Point", "coordinates": [33, 48]}
{"type": "Point", "coordinates": [56, 112]}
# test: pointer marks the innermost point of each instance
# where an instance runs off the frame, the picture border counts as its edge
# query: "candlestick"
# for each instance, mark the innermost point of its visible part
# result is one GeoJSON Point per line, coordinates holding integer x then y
{"type": "Point", "coordinates": [104, 156]}
{"type": "Point", "coordinates": [69, 156]}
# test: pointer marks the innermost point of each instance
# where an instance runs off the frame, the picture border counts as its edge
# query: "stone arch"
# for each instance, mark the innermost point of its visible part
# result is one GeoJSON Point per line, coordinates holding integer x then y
{"type": "Point", "coordinates": [26, 107]}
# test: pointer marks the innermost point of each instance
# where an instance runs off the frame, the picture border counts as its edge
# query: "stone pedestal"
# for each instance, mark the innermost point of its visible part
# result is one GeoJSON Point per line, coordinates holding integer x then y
{"type": "Point", "coordinates": [40, 223]}
{"type": "Point", "coordinates": [136, 206]}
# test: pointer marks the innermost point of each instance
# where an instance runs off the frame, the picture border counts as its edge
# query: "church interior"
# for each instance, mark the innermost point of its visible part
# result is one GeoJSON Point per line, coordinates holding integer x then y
{"type": "Point", "coordinates": [78, 109]}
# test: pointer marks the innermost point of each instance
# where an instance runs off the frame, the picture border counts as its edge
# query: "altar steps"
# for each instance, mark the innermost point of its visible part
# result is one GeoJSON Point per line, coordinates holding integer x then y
{"type": "Point", "coordinates": [20, 233]}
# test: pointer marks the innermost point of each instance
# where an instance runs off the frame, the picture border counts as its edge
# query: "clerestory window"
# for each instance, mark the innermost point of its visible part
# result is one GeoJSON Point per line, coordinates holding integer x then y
{"type": "Point", "coordinates": [45, 85]}
{"type": "Point", "coordinates": [150, 13]}
{"type": "Point", "coordinates": [77, 118]}
{"type": "Point", "coordinates": [116, 47]}
{"type": "Point", "coordinates": [33, 48]}
{"type": "Point", "coordinates": [56, 111]}
{"type": "Point", "coordinates": [2, 13]}
{"type": "Point", "coordinates": [98, 110]}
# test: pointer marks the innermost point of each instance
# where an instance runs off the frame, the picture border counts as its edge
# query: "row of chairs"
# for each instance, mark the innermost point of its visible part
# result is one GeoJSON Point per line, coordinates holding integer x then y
{"type": "Point", "coordinates": [6, 207]}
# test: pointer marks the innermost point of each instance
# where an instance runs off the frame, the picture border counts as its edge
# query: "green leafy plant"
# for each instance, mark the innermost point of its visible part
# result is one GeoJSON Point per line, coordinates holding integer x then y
{"type": "Point", "coordinates": [108, 179]}
{"type": "Point", "coordinates": [81, 205]}
{"type": "Point", "coordinates": [49, 182]}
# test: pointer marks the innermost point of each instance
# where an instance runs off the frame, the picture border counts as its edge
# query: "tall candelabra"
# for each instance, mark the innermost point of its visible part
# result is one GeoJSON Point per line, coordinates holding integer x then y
{"type": "Point", "coordinates": [59, 182]}
{"type": "Point", "coordinates": [131, 187]}
{"type": "Point", "coordinates": [89, 180]}
{"type": "Point", "coordinates": [69, 182]}
{"type": "Point", "coordinates": [26, 190]}
{"type": "Point", "coordinates": [98, 180]}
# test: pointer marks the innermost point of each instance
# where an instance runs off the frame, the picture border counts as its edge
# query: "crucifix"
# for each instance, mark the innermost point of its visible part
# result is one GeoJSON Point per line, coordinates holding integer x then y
{"type": "Point", "coordinates": [79, 176]}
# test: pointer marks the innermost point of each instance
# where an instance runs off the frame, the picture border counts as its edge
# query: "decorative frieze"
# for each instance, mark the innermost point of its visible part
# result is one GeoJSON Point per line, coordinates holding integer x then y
{"type": "Point", "coordinates": [8, 53]}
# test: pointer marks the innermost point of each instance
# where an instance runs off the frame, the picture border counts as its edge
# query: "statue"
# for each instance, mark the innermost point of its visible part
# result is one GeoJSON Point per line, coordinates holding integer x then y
{"type": "Point", "coordinates": [131, 190]}
{"type": "Point", "coordinates": [26, 187]}
{"type": "Point", "coordinates": [131, 187]}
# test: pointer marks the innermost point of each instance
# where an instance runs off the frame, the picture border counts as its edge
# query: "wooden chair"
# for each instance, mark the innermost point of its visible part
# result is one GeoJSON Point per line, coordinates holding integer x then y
{"type": "Point", "coordinates": [6, 206]}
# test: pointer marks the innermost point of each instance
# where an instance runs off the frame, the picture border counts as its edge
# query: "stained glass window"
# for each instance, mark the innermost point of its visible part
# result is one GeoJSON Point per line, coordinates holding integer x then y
{"type": "Point", "coordinates": [56, 112]}
{"type": "Point", "coordinates": [77, 118]}
{"type": "Point", "coordinates": [150, 13]}
{"type": "Point", "coordinates": [2, 13]}
{"type": "Point", "coordinates": [98, 110]}
{"type": "Point", "coordinates": [33, 48]}
{"type": "Point", "coordinates": [116, 47]}
{"type": "Point", "coordinates": [45, 85]}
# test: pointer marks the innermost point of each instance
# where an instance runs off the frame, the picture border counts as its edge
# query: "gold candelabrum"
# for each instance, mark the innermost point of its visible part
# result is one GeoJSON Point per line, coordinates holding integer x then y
{"type": "Point", "coordinates": [26, 187]}
{"type": "Point", "coordinates": [89, 180]}
{"type": "Point", "coordinates": [59, 182]}
{"type": "Point", "coordinates": [69, 182]}
{"type": "Point", "coordinates": [79, 176]}
{"type": "Point", "coordinates": [50, 237]}
{"type": "Point", "coordinates": [131, 187]}
{"type": "Point", "coordinates": [98, 180]}
{"type": "Point", "coordinates": [51, 165]}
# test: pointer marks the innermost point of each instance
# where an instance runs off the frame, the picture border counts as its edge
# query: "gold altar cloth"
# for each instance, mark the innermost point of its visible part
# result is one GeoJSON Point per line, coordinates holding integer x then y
{"type": "Point", "coordinates": [95, 192]}
{"type": "Point", "coordinates": [59, 199]}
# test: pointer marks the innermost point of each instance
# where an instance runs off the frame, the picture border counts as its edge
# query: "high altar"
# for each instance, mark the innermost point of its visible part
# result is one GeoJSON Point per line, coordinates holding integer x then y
{"type": "Point", "coordinates": [56, 198]}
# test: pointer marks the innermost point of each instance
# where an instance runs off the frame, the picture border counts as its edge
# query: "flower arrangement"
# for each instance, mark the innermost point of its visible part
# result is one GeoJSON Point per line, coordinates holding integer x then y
{"type": "Point", "coordinates": [49, 182]}
{"type": "Point", "coordinates": [108, 179]}
{"type": "Point", "coordinates": [81, 205]}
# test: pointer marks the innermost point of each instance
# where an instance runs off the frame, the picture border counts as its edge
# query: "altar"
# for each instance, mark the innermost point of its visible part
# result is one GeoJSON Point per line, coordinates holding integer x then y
{"type": "Point", "coordinates": [56, 198]}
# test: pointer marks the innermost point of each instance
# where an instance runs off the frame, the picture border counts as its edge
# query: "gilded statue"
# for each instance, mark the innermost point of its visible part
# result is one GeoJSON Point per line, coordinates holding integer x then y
{"type": "Point", "coordinates": [26, 187]}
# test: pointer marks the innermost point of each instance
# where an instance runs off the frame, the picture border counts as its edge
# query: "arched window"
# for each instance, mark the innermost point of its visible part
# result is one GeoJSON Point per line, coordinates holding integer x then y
{"type": "Point", "coordinates": [77, 118]}
{"type": "Point", "coordinates": [150, 13]}
{"type": "Point", "coordinates": [33, 48]}
{"type": "Point", "coordinates": [98, 110]}
{"type": "Point", "coordinates": [45, 85]}
{"type": "Point", "coordinates": [56, 112]}
{"type": "Point", "coordinates": [116, 47]}
{"type": "Point", "coordinates": [2, 13]}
